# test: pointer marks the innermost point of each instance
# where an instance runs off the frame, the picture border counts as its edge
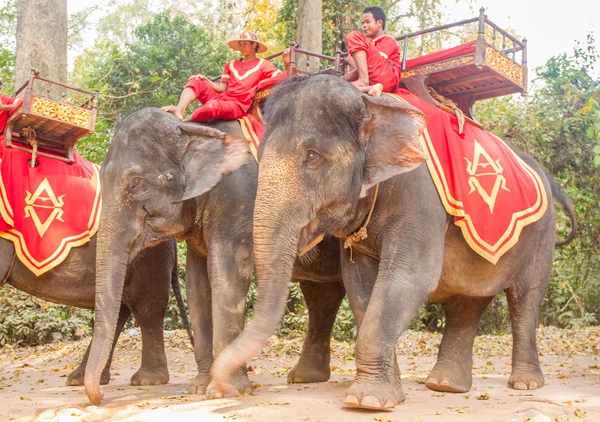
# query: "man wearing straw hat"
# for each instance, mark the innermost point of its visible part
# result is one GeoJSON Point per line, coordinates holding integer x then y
{"type": "Point", "coordinates": [231, 97]}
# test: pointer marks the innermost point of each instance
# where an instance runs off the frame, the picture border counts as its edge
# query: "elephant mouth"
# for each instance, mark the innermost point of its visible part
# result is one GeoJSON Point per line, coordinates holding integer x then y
{"type": "Point", "coordinates": [310, 236]}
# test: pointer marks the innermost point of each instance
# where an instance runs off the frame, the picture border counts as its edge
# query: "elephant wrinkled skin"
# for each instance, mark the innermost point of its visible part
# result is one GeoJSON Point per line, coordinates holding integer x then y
{"type": "Point", "coordinates": [325, 149]}
{"type": "Point", "coordinates": [160, 182]}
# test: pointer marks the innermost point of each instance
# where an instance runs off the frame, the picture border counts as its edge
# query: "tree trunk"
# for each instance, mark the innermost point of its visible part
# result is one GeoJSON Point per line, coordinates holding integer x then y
{"type": "Point", "coordinates": [309, 34]}
{"type": "Point", "coordinates": [42, 28]}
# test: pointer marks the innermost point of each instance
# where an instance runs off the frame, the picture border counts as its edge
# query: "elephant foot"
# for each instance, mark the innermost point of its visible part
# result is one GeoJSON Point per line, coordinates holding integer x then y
{"type": "Point", "coordinates": [239, 384]}
{"type": "Point", "coordinates": [144, 378]}
{"type": "Point", "coordinates": [307, 371]}
{"type": "Point", "coordinates": [76, 378]}
{"type": "Point", "coordinates": [449, 379]}
{"type": "Point", "coordinates": [374, 396]}
{"type": "Point", "coordinates": [199, 384]}
{"type": "Point", "coordinates": [526, 380]}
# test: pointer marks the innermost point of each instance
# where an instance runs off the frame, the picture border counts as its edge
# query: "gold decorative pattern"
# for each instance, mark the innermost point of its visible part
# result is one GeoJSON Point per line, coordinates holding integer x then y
{"type": "Point", "coordinates": [63, 112]}
{"type": "Point", "coordinates": [504, 65]}
{"type": "Point", "coordinates": [435, 67]}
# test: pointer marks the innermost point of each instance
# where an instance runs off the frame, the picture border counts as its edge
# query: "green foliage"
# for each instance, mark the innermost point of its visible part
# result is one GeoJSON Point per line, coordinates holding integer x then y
{"type": "Point", "coordinates": [173, 319]}
{"type": "Point", "coordinates": [8, 27]}
{"type": "Point", "coordinates": [27, 321]}
{"type": "Point", "coordinates": [342, 16]}
{"type": "Point", "coordinates": [153, 69]}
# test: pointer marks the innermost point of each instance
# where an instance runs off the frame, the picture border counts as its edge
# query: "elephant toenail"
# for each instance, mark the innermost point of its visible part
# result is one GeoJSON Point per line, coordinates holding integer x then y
{"type": "Point", "coordinates": [298, 379]}
{"type": "Point", "coordinates": [519, 385]}
{"type": "Point", "coordinates": [533, 385]}
{"type": "Point", "coordinates": [351, 400]}
{"type": "Point", "coordinates": [432, 381]}
{"type": "Point", "coordinates": [389, 404]}
{"type": "Point", "coordinates": [445, 382]}
{"type": "Point", "coordinates": [371, 402]}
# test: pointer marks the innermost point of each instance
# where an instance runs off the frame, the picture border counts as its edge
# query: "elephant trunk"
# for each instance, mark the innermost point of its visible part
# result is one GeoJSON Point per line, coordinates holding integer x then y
{"type": "Point", "coordinates": [112, 259]}
{"type": "Point", "coordinates": [275, 250]}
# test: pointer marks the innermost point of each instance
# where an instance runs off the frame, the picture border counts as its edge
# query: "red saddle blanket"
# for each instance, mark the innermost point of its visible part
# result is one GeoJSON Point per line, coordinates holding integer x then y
{"type": "Point", "coordinates": [47, 210]}
{"type": "Point", "coordinates": [491, 192]}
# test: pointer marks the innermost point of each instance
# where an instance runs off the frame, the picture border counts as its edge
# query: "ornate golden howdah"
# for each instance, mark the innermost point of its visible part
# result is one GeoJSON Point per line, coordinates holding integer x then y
{"type": "Point", "coordinates": [63, 112]}
{"type": "Point", "coordinates": [504, 65]}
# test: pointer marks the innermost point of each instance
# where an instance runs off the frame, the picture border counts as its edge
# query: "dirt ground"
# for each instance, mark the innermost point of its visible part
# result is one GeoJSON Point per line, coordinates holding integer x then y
{"type": "Point", "coordinates": [32, 384]}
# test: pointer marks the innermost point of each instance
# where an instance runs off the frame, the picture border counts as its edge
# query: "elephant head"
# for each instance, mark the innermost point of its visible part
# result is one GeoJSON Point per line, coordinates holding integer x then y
{"type": "Point", "coordinates": [326, 145]}
{"type": "Point", "coordinates": [154, 169]}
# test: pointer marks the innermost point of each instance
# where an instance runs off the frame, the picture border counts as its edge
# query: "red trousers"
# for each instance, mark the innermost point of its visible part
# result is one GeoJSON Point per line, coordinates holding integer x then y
{"type": "Point", "coordinates": [214, 105]}
{"type": "Point", "coordinates": [380, 70]}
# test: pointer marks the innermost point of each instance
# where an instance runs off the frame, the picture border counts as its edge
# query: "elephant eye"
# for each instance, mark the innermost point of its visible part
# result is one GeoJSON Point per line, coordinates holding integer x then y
{"type": "Point", "coordinates": [136, 183]}
{"type": "Point", "coordinates": [311, 155]}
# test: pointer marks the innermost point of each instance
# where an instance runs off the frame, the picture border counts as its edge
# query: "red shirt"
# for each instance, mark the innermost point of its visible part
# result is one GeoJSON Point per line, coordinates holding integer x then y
{"type": "Point", "coordinates": [243, 78]}
{"type": "Point", "coordinates": [389, 49]}
{"type": "Point", "coordinates": [5, 100]}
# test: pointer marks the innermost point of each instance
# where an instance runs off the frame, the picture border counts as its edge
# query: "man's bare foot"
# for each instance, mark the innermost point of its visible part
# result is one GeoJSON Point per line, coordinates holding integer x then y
{"type": "Point", "coordinates": [375, 90]}
{"type": "Point", "coordinates": [360, 85]}
{"type": "Point", "coordinates": [173, 110]}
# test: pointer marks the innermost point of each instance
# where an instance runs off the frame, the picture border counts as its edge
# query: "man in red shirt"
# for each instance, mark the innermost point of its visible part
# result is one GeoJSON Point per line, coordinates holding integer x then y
{"type": "Point", "coordinates": [231, 97]}
{"type": "Point", "coordinates": [375, 55]}
{"type": "Point", "coordinates": [6, 105]}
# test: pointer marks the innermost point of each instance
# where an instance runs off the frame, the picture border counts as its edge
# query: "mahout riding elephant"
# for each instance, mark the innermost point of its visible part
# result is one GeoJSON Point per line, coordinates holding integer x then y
{"type": "Point", "coordinates": [146, 296]}
{"type": "Point", "coordinates": [157, 186]}
{"type": "Point", "coordinates": [325, 150]}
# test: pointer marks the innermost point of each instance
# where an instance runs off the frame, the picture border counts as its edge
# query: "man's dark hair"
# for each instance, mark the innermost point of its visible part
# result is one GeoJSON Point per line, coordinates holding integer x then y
{"type": "Point", "coordinates": [377, 13]}
{"type": "Point", "coordinates": [0, 82]}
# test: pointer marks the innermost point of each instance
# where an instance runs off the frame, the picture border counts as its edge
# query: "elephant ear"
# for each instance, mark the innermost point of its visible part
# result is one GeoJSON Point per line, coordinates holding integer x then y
{"type": "Point", "coordinates": [390, 133]}
{"type": "Point", "coordinates": [209, 155]}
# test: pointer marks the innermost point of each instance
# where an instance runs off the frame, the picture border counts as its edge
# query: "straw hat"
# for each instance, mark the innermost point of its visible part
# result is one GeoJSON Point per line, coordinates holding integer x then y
{"type": "Point", "coordinates": [247, 36]}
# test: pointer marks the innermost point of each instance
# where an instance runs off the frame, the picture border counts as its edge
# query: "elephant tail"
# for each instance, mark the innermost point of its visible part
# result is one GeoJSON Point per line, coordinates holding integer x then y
{"type": "Point", "coordinates": [177, 293]}
{"type": "Point", "coordinates": [568, 206]}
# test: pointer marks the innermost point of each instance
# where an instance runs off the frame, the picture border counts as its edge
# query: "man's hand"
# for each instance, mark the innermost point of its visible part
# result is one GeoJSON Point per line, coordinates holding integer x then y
{"type": "Point", "coordinates": [287, 59]}
{"type": "Point", "coordinates": [199, 76]}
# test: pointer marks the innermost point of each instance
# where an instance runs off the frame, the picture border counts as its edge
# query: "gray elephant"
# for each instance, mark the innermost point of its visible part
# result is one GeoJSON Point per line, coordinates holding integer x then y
{"type": "Point", "coordinates": [155, 184]}
{"type": "Point", "coordinates": [147, 285]}
{"type": "Point", "coordinates": [326, 147]}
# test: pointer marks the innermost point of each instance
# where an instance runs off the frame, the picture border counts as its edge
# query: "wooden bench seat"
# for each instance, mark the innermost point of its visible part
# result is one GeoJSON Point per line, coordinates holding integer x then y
{"type": "Point", "coordinates": [48, 126]}
{"type": "Point", "coordinates": [482, 68]}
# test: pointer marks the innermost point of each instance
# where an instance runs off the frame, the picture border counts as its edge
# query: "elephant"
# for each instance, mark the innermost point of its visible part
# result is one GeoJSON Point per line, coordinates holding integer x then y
{"type": "Point", "coordinates": [326, 149]}
{"type": "Point", "coordinates": [160, 175]}
{"type": "Point", "coordinates": [146, 296]}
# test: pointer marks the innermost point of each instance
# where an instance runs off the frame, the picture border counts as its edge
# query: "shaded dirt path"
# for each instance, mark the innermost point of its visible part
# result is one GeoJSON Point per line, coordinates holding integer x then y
{"type": "Point", "coordinates": [32, 384]}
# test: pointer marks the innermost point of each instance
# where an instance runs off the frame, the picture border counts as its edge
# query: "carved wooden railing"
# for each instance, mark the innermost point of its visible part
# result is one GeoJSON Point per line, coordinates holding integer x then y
{"type": "Point", "coordinates": [51, 115]}
{"type": "Point", "coordinates": [502, 42]}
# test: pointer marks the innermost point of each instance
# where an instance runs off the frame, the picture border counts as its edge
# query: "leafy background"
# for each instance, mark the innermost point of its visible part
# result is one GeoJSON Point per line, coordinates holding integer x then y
{"type": "Point", "coordinates": [143, 56]}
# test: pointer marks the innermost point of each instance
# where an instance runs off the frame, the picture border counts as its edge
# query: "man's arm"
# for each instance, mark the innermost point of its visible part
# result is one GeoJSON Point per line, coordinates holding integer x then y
{"type": "Point", "coordinates": [216, 86]}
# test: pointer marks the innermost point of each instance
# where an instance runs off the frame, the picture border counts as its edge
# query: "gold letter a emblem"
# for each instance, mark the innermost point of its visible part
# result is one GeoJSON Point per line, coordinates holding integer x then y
{"type": "Point", "coordinates": [482, 159]}
{"type": "Point", "coordinates": [38, 201]}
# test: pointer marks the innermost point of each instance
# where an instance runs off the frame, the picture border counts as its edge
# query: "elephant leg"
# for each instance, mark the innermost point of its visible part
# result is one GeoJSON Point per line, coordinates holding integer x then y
{"type": "Point", "coordinates": [76, 377]}
{"type": "Point", "coordinates": [230, 277]}
{"type": "Point", "coordinates": [359, 280]}
{"type": "Point", "coordinates": [199, 298]}
{"type": "Point", "coordinates": [401, 287]}
{"type": "Point", "coordinates": [323, 301]}
{"type": "Point", "coordinates": [452, 371]}
{"type": "Point", "coordinates": [150, 316]}
{"type": "Point", "coordinates": [524, 300]}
